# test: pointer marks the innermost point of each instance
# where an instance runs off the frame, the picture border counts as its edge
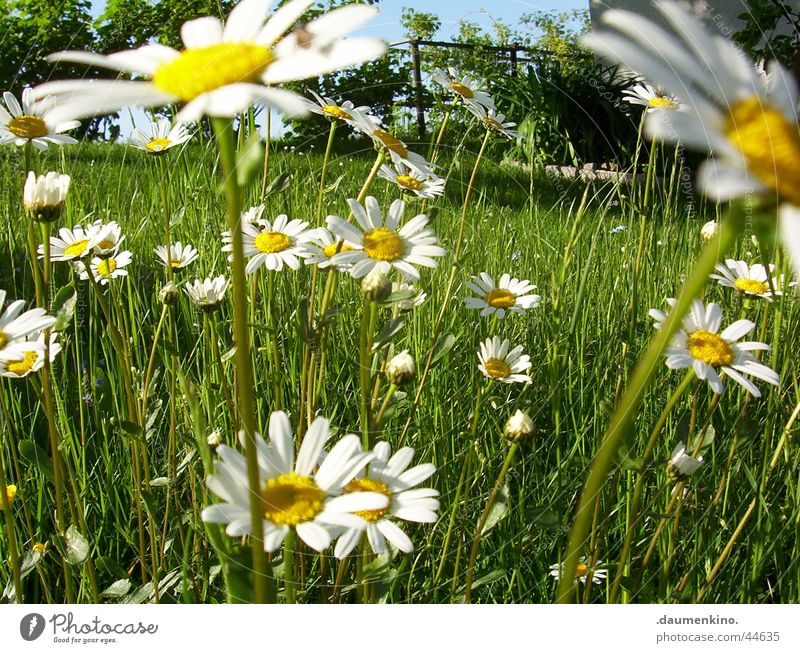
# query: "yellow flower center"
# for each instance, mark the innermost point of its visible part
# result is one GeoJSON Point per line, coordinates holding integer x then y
{"type": "Point", "coordinates": [463, 91]}
{"type": "Point", "coordinates": [407, 181]}
{"type": "Point", "coordinates": [581, 569]}
{"type": "Point", "coordinates": [709, 348]}
{"type": "Point", "coordinates": [383, 244]}
{"type": "Point", "coordinates": [497, 368]}
{"type": "Point", "coordinates": [330, 250]}
{"type": "Point", "coordinates": [199, 70]}
{"type": "Point", "coordinates": [271, 242]}
{"type": "Point", "coordinates": [78, 248]}
{"type": "Point", "coordinates": [336, 112]}
{"type": "Point", "coordinates": [158, 145]}
{"type": "Point", "coordinates": [291, 499]}
{"type": "Point", "coordinates": [752, 286]}
{"type": "Point", "coordinates": [175, 263]}
{"type": "Point", "coordinates": [661, 102]}
{"type": "Point", "coordinates": [22, 367]}
{"type": "Point", "coordinates": [104, 244]}
{"type": "Point", "coordinates": [391, 143]}
{"type": "Point", "coordinates": [3, 339]}
{"type": "Point", "coordinates": [492, 123]}
{"type": "Point", "coordinates": [39, 548]}
{"type": "Point", "coordinates": [770, 143]}
{"type": "Point", "coordinates": [106, 268]}
{"type": "Point", "coordinates": [28, 127]}
{"type": "Point", "coordinates": [370, 485]}
{"type": "Point", "coordinates": [11, 492]}
{"type": "Point", "coordinates": [501, 298]}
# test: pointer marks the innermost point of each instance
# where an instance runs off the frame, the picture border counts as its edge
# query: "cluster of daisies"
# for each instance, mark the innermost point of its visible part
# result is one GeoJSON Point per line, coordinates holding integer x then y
{"type": "Point", "coordinates": [324, 496]}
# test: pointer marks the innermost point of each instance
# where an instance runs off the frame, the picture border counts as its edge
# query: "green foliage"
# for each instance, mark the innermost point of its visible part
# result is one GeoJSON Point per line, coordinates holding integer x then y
{"type": "Point", "coordinates": [771, 31]}
{"type": "Point", "coordinates": [419, 24]}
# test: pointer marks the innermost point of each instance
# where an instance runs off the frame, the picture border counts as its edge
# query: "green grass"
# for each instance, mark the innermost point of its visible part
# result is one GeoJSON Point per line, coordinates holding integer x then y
{"type": "Point", "coordinates": [583, 341]}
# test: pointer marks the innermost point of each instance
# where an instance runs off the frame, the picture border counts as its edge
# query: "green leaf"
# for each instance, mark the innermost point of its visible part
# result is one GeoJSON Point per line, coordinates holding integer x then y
{"type": "Point", "coordinates": [33, 453]}
{"type": "Point", "coordinates": [249, 161]}
{"type": "Point", "coordinates": [64, 307]}
{"type": "Point", "coordinates": [443, 345]}
{"type": "Point", "coordinates": [76, 548]}
{"type": "Point", "coordinates": [279, 184]}
{"type": "Point", "coordinates": [389, 331]}
{"type": "Point", "coordinates": [498, 510]}
{"type": "Point", "coordinates": [130, 428]}
{"type": "Point", "coordinates": [118, 589]}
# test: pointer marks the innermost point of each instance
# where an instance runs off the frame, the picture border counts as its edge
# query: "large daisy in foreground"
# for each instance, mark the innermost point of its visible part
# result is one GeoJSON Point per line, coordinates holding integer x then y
{"type": "Point", "coordinates": [222, 69]}
{"type": "Point", "coordinates": [15, 325]}
{"type": "Point", "coordinates": [710, 353]}
{"type": "Point", "coordinates": [402, 247]}
{"type": "Point", "coordinates": [293, 494]}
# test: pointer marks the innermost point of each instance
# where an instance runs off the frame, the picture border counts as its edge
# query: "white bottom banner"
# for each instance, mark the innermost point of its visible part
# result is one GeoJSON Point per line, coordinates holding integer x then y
{"type": "Point", "coordinates": [389, 629]}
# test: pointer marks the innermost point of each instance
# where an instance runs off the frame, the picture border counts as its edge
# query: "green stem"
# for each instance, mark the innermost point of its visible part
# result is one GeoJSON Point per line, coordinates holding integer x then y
{"type": "Point", "coordinates": [288, 566]}
{"type": "Point", "coordinates": [11, 534]}
{"type": "Point", "coordinates": [323, 172]}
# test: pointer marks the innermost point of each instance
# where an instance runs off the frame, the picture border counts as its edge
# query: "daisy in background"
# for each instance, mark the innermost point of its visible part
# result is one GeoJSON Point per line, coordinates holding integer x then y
{"type": "Point", "coordinates": [44, 195]}
{"type": "Point", "coordinates": [700, 345]}
{"type": "Point", "coordinates": [274, 244]}
{"type": "Point", "coordinates": [393, 146]}
{"type": "Point", "coordinates": [179, 255]}
{"type": "Point", "coordinates": [105, 269]}
{"type": "Point", "coordinates": [411, 296]}
{"type": "Point", "coordinates": [655, 99]}
{"type": "Point", "coordinates": [15, 326]}
{"type": "Point", "coordinates": [33, 122]}
{"type": "Point", "coordinates": [29, 355]}
{"type": "Point", "coordinates": [207, 295]}
{"type": "Point", "coordinates": [107, 238]}
{"type": "Point", "coordinates": [410, 181]}
{"type": "Point", "coordinates": [344, 112]}
{"type": "Point", "coordinates": [466, 88]}
{"type": "Point", "coordinates": [508, 295]}
{"type": "Point", "coordinates": [402, 247]}
{"type": "Point", "coordinates": [747, 119]}
{"type": "Point", "coordinates": [390, 476]}
{"type": "Point", "coordinates": [161, 137]}
{"type": "Point", "coordinates": [583, 571]}
{"type": "Point", "coordinates": [682, 465]}
{"type": "Point", "coordinates": [294, 493]}
{"type": "Point", "coordinates": [501, 363]}
{"type": "Point", "coordinates": [749, 279]}
{"type": "Point", "coordinates": [223, 69]}
{"type": "Point", "coordinates": [323, 247]}
{"type": "Point", "coordinates": [494, 122]}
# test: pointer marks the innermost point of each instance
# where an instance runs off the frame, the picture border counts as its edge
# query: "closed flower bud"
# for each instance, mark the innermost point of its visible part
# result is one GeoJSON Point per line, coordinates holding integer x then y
{"type": "Point", "coordinates": [681, 465]}
{"type": "Point", "coordinates": [214, 439]}
{"type": "Point", "coordinates": [44, 196]}
{"type": "Point", "coordinates": [401, 368]}
{"type": "Point", "coordinates": [709, 231]}
{"type": "Point", "coordinates": [169, 294]}
{"type": "Point", "coordinates": [376, 285]}
{"type": "Point", "coordinates": [519, 427]}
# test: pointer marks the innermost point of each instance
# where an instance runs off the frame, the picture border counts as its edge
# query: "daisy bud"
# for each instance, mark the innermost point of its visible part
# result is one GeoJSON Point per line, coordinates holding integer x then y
{"type": "Point", "coordinates": [709, 231]}
{"type": "Point", "coordinates": [401, 368]}
{"type": "Point", "coordinates": [44, 196]}
{"type": "Point", "coordinates": [519, 427]}
{"type": "Point", "coordinates": [214, 439]}
{"type": "Point", "coordinates": [169, 294]}
{"type": "Point", "coordinates": [681, 465]}
{"type": "Point", "coordinates": [376, 285]}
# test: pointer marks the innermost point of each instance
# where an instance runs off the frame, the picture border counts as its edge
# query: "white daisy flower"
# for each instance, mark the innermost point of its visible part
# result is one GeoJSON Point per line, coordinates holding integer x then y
{"type": "Point", "coordinates": [749, 279]}
{"type": "Point", "coordinates": [709, 231]}
{"type": "Point", "coordinates": [223, 69]}
{"type": "Point", "coordinates": [393, 146]}
{"type": "Point", "coordinates": [179, 255]}
{"type": "Point", "coordinates": [293, 495]}
{"type": "Point", "coordinates": [272, 244]}
{"type": "Point", "coordinates": [390, 477]}
{"type": "Point", "coordinates": [161, 137]}
{"type": "Point", "coordinates": [655, 99]}
{"type": "Point", "coordinates": [28, 355]}
{"type": "Point", "coordinates": [414, 296]}
{"type": "Point", "coordinates": [467, 88]}
{"type": "Point", "coordinates": [501, 363]}
{"type": "Point", "coordinates": [72, 244]}
{"type": "Point", "coordinates": [322, 248]}
{"type": "Point", "coordinates": [400, 247]}
{"type": "Point", "coordinates": [44, 195]}
{"type": "Point", "coordinates": [16, 325]}
{"type": "Point", "coordinates": [410, 181]}
{"type": "Point", "coordinates": [700, 345]}
{"type": "Point", "coordinates": [681, 464]}
{"type": "Point", "coordinates": [107, 238]}
{"type": "Point", "coordinates": [582, 571]}
{"type": "Point", "coordinates": [748, 120]}
{"type": "Point", "coordinates": [207, 295]}
{"type": "Point", "coordinates": [493, 121]}
{"type": "Point", "coordinates": [345, 112]}
{"type": "Point", "coordinates": [33, 122]}
{"type": "Point", "coordinates": [508, 295]}
{"type": "Point", "coordinates": [105, 269]}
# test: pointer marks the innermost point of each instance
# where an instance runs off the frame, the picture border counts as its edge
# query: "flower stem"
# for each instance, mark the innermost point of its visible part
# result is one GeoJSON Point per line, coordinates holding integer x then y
{"type": "Point", "coordinates": [323, 172]}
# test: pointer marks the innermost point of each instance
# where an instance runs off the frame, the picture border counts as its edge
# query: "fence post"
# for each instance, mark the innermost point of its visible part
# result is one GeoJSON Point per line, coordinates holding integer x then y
{"type": "Point", "coordinates": [514, 49]}
{"type": "Point", "coordinates": [417, 84]}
